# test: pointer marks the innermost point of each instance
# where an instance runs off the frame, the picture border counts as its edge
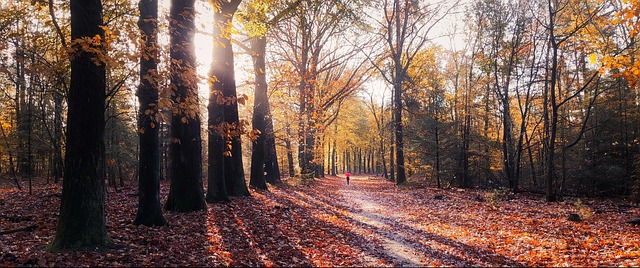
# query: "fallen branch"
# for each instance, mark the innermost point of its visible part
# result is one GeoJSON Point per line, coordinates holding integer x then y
{"type": "Point", "coordinates": [636, 221]}
{"type": "Point", "coordinates": [24, 229]}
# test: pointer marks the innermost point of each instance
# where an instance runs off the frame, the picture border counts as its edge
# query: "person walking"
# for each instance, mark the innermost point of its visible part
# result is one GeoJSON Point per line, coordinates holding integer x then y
{"type": "Point", "coordinates": [347, 175]}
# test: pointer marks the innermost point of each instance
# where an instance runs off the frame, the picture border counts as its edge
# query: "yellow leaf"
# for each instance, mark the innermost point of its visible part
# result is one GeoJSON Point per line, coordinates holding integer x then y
{"type": "Point", "coordinates": [593, 58]}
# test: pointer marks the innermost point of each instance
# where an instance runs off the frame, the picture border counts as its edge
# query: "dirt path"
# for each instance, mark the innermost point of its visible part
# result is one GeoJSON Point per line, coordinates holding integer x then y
{"type": "Point", "coordinates": [383, 220]}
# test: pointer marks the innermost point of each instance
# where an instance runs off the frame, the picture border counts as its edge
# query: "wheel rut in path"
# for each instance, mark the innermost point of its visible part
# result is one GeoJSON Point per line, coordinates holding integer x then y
{"type": "Point", "coordinates": [382, 220]}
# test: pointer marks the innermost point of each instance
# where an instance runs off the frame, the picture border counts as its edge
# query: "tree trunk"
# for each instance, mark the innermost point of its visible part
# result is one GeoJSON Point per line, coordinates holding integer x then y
{"type": "Point", "coordinates": [121, 175]}
{"type": "Point", "coordinates": [360, 161]}
{"type": "Point", "coordinates": [354, 163]}
{"type": "Point", "coordinates": [258, 47]}
{"type": "Point", "coordinates": [81, 223]}
{"type": "Point", "coordinates": [334, 156]}
{"type": "Point", "coordinates": [532, 165]}
{"type": "Point", "coordinates": [29, 137]}
{"type": "Point", "coordinates": [165, 141]}
{"type": "Point", "coordinates": [508, 147]}
{"type": "Point", "coordinates": [306, 123]}
{"type": "Point", "coordinates": [552, 122]}
{"type": "Point", "coordinates": [223, 93]}
{"type": "Point", "coordinates": [398, 81]}
{"type": "Point", "coordinates": [372, 161]}
{"type": "Point", "coordinates": [149, 210]}
{"type": "Point", "coordinates": [345, 161]}
{"type": "Point", "coordinates": [22, 124]}
{"type": "Point", "coordinates": [465, 150]}
{"type": "Point", "coordinates": [397, 110]}
{"type": "Point", "coordinates": [384, 160]}
{"type": "Point", "coordinates": [217, 187]}
{"type": "Point", "coordinates": [271, 166]}
{"type": "Point", "coordinates": [289, 148]}
{"type": "Point", "coordinates": [186, 193]}
{"type": "Point", "coordinates": [58, 163]}
{"type": "Point", "coordinates": [319, 155]}
{"type": "Point", "coordinates": [437, 139]}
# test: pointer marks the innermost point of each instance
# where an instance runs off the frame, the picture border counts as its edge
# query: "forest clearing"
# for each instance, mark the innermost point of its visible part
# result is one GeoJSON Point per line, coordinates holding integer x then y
{"type": "Point", "coordinates": [370, 222]}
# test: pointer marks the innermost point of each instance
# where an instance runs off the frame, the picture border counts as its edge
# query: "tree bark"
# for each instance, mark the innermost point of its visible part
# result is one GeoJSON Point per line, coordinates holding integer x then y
{"type": "Point", "coordinates": [334, 156]}
{"type": "Point", "coordinates": [81, 223]}
{"type": "Point", "coordinates": [217, 187]}
{"type": "Point", "coordinates": [306, 123]}
{"type": "Point", "coordinates": [398, 127]}
{"type": "Point", "coordinates": [289, 148]}
{"type": "Point", "coordinates": [186, 193]}
{"type": "Point", "coordinates": [58, 162]}
{"type": "Point", "coordinates": [551, 120]}
{"type": "Point", "coordinates": [149, 209]}
{"type": "Point", "coordinates": [261, 101]}
{"type": "Point", "coordinates": [223, 105]}
{"type": "Point", "coordinates": [271, 167]}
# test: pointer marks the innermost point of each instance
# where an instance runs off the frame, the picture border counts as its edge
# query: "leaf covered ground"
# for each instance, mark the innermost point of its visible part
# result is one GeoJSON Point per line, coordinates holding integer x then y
{"type": "Point", "coordinates": [370, 222]}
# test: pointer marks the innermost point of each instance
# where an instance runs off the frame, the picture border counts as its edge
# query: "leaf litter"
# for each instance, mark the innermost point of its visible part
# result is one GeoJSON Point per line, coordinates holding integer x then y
{"type": "Point", "coordinates": [370, 222]}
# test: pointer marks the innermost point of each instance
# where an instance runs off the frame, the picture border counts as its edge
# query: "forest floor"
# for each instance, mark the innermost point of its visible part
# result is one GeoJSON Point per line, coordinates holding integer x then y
{"type": "Point", "coordinates": [325, 222]}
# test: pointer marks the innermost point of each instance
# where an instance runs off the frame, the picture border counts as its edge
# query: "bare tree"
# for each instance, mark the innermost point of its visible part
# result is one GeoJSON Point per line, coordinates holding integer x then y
{"type": "Point", "coordinates": [402, 33]}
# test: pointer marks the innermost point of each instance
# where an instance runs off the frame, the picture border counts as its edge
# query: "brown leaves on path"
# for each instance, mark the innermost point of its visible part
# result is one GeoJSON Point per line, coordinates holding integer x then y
{"type": "Point", "coordinates": [328, 223]}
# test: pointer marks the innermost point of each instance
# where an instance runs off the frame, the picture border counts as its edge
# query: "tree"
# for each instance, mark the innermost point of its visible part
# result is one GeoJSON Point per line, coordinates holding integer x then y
{"type": "Point", "coordinates": [312, 42]}
{"type": "Point", "coordinates": [226, 173]}
{"type": "Point", "coordinates": [460, 75]}
{"type": "Point", "coordinates": [430, 133]}
{"type": "Point", "coordinates": [403, 33]}
{"type": "Point", "coordinates": [81, 223]}
{"type": "Point", "coordinates": [560, 29]}
{"type": "Point", "coordinates": [57, 137]}
{"type": "Point", "coordinates": [149, 210]}
{"type": "Point", "coordinates": [39, 76]}
{"type": "Point", "coordinates": [503, 25]}
{"type": "Point", "coordinates": [186, 192]}
{"type": "Point", "coordinates": [378, 116]}
{"type": "Point", "coordinates": [271, 167]}
{"type": "Point", "coordinates": [261, 102]}
{"type": "Point", "coordinates": [526, 74]}
{"type": "Point", "coordinates": [264, 161]}
{"type": "Point", "coordinates": [282, 85]}
{"type": "Point", "coordinates": [121, 131]}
